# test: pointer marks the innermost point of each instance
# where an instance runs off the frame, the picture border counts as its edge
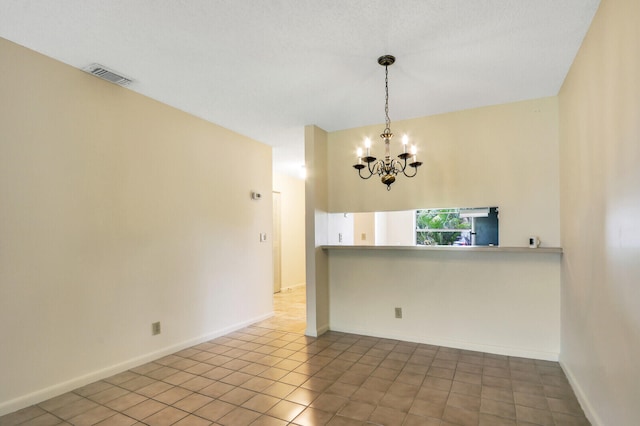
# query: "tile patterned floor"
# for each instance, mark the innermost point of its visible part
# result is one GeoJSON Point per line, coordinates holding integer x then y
{"type": "Point", "coordinates": [290, 311]}
{"type": "Point", "coordinates": [271, 374]}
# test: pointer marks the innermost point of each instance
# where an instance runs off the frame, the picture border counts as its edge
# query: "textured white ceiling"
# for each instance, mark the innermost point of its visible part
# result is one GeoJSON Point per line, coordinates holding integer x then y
{"type": "Point", "coordinates": [267, 68]}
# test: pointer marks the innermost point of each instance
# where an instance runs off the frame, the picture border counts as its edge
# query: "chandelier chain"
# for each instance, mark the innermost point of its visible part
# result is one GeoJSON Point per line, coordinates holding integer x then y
{"type": "Point", "coordinates": [386, 98]}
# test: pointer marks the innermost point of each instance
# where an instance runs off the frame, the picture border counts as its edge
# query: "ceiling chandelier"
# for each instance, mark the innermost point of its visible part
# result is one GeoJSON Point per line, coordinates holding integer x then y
{"type": "Point", "coordinates": [387, 168]}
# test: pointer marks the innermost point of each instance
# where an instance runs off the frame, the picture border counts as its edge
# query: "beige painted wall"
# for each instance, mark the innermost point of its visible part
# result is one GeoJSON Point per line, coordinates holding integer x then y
{"type": "Point", "coordinates": [396, 228]}
{"type": "Point", "coordinates": [292, 229]}
{"type": "Point", "coordinates": [600, 191]}
{"type": "Point", "coordinates": [114, 214]}
{"type": "Point", "coordinates": [364, 229]}
{"type": "Point", "coordinates": [341, 227]}
{"type": "Point", "coordinates": [505, 156]}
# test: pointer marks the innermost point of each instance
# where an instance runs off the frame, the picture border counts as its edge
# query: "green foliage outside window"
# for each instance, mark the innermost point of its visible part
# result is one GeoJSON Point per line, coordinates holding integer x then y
{"type": "Point", "coordinates": [440, 227]}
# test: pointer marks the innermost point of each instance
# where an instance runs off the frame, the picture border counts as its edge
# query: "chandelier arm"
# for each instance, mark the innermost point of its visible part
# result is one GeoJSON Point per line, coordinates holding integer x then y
{"type": "Point", "coordinates": [378, 168]}
{"type": "Point", "coordinates": [415, 172]}
{"type": "Point", "coordinates": [364, 177]}
{"type": "Point", "coordinates": [415, 166]}
{"type": "Point", "coordinates": [398, 166]}
{"type": "Point", "coordinates": [375, 170]}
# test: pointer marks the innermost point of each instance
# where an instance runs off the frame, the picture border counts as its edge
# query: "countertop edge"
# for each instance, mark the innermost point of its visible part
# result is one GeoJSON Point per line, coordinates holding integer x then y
{"type": "Point", "coordinates": [460, 249]}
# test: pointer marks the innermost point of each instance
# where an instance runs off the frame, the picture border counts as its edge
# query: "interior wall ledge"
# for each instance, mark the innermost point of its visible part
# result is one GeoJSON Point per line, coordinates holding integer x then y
{"type": "Point", "coordinates": [459, 249]}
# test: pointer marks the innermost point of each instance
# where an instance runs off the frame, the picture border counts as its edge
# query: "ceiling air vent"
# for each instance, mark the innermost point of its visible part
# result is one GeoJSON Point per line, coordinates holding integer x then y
{"type": "Point", "coordinates": [107, 74]}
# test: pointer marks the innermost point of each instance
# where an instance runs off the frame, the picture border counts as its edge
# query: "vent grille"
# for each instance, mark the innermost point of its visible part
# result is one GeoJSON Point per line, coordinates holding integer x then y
{"type": "Point", "coordinates": [108, 74]}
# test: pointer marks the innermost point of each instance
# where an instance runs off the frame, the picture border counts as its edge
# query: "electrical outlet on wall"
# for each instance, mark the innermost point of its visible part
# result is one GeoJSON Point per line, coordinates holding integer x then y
{"type": "Point", "coordinates": [398, 312]}
{"type": "Point", "coordinates": [155, 328]}
{"type": "Point", "coordinates": [363, 236]}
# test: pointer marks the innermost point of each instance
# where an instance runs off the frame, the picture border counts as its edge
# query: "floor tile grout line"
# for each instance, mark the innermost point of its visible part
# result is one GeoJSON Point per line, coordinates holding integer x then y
{"type": "Point", "coordinates": [345, 359]}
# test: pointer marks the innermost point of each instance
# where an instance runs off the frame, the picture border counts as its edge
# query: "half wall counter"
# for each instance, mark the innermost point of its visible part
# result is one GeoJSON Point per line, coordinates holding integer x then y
{"type": "Point", "coordinates": [501, 300]}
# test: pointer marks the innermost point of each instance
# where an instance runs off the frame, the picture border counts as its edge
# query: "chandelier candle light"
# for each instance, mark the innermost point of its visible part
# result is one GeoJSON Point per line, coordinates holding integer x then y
{"type": "Point", "coordinates": [388, 168]}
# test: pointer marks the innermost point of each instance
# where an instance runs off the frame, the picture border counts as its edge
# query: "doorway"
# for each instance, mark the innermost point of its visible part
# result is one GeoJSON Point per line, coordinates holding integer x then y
{"type": "Point", "coordinates": [277, 236]}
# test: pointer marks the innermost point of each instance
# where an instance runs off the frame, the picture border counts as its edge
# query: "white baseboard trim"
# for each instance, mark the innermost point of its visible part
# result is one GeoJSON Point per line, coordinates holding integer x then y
{"type": "Point", "coordinates": [311, 332]}
{"type": "Point", "coordinates": [457, 344]}
{"type": "Point", "coordinates": [323, 329]}
{"type": "Point", "coordinates": [588, 409]}
{"type": "Point", "coordinates": [41, 395]}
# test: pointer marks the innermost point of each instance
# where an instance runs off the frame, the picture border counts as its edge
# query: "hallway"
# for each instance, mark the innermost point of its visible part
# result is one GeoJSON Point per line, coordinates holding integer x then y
{"type": "Point", "coordinates": [289, 311]}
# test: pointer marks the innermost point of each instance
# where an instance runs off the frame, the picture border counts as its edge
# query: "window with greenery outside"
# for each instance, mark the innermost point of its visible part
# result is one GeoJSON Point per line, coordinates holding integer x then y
{"type": "Point", "coordinates": [443, 227]}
